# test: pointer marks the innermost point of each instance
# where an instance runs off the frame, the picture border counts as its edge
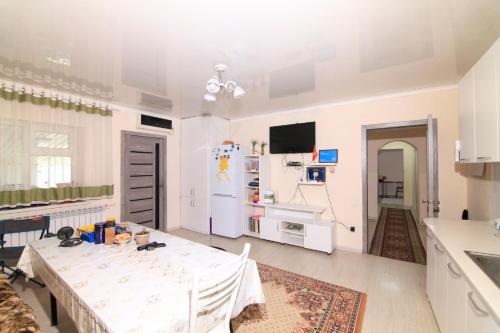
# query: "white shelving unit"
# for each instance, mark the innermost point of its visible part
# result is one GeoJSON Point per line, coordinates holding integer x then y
{"type": "Point", "coordinates": [256, 166]}
{"type": "Point", "coordinates": [299, 225]}
{"type": "Point", "coordinates": [294, 224]}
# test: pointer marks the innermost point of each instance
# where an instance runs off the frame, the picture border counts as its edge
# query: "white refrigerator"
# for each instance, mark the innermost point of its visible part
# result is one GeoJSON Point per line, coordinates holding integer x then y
{"type": "Point", "coordinates": [226, 174]}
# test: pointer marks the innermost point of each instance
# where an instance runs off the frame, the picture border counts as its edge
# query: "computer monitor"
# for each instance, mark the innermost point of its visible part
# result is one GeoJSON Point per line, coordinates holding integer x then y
{"type": "Point", "coordinates": [328, 156]}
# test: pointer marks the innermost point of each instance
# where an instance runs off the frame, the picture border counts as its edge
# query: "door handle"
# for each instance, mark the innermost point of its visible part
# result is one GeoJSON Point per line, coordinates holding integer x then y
{"type": "Point", "coordinates": [452, 271]}
{"type": "Point", "coordinates": [480, 311]}
{"type": "Point", "coordinates": [438, 249]}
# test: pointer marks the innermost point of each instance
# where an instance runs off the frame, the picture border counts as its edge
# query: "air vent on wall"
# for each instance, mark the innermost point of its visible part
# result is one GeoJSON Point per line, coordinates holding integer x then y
{"type": "Point", "coordinates": [152, 123]}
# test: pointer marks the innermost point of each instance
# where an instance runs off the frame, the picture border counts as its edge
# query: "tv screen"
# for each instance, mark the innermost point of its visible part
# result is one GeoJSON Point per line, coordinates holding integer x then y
{"type": "Point", "coordinates": [294, 138]}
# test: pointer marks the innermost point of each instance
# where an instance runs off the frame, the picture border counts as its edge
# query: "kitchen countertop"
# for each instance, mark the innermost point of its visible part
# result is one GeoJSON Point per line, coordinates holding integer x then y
{"type": "Point", "coordinates": [457, 236]}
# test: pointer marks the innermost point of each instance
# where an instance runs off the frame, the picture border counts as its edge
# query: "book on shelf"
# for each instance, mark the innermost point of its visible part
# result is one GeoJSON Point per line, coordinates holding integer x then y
{"type": "Point", "coordinates": [254, 223]}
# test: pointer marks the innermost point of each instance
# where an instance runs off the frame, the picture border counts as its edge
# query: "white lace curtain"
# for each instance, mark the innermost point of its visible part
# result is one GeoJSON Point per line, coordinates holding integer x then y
{"type": "Point", "coordinates": [53, 147]}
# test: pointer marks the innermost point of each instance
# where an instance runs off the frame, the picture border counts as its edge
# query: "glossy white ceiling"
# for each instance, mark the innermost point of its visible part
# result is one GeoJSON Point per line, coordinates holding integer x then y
{"type": "Point", "coordinates": [286, 54]}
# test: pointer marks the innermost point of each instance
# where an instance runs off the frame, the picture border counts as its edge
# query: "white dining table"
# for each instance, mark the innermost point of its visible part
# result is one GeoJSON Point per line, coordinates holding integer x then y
{"type": "Point", "coordinates": [107, 288]}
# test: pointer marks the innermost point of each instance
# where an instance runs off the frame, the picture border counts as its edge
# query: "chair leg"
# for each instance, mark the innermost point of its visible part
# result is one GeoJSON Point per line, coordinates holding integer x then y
{"type": "Point", "coordinates": [53, 310]}
{"type": "Point", "coordinates": [17, 273]}
{"type": "Point", "coordinates": [14, 276]}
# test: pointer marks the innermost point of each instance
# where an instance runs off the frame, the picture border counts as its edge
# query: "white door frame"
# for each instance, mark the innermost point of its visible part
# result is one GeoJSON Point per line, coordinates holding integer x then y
{"type": "Point", "coordinates": [431, 158]}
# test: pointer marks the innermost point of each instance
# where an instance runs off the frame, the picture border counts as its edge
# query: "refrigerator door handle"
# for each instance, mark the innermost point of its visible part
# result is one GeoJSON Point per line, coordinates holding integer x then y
{"type": "Point", "coordinates": [224, 195]}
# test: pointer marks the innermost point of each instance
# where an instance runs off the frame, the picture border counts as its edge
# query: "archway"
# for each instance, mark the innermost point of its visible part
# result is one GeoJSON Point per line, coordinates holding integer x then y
{"type": "Point", "coordinates": [398, 176]}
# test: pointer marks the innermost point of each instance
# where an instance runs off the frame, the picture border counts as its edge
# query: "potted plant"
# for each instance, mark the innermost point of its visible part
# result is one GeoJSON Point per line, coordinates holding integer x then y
{"type": "Point", "coordinates": [263, 144]}
{"type": "Point", "coordinates": [254, 144]}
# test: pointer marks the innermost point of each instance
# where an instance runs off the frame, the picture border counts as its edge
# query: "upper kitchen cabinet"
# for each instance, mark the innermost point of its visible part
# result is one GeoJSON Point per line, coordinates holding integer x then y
{"type": "Point", "coordinates": [466, 118]}
{"type": "Point", "coordinates": [479, 113]}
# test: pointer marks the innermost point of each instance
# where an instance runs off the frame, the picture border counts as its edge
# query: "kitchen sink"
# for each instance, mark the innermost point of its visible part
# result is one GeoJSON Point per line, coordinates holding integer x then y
{"type": "Point", "coordinates": [489, 263]}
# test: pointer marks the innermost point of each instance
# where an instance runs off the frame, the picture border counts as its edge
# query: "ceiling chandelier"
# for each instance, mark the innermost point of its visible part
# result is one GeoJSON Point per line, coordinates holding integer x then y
{"type": "Point", "coordinates": [216, 84]}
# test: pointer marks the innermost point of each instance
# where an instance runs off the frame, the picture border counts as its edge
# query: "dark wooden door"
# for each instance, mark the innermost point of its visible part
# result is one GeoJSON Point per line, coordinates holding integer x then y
{"type": "Point", "coordinates": [143, 180]}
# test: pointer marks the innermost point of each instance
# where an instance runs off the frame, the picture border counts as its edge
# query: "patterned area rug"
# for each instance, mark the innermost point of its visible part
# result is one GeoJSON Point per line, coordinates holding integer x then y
{"type": "Point", "coordinates": [295, 303]}
{"type": "Point", "coordinates": [396, 236]}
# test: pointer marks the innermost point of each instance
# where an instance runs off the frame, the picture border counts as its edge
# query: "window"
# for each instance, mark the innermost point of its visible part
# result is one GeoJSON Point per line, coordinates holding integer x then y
{"type": "Point", "coordinates": [51, 159]}
{"type": "Point", "coordinates": [52, 150]}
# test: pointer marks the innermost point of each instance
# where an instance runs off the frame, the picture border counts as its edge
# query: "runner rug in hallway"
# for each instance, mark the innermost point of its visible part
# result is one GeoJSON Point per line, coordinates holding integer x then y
{"type": "Point", "coordinates": [295, 303]}
{"type": "Point", "coordinates": [396, 236]}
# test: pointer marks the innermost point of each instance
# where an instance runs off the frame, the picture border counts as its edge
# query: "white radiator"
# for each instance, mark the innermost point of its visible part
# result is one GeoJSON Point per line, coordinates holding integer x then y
{"type": "Point", "coordinates": [74, 218]}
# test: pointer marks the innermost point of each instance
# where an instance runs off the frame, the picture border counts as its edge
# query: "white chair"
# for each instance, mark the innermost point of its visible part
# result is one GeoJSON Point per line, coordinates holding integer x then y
{"type": "Point", "coordinates": [212, 290]}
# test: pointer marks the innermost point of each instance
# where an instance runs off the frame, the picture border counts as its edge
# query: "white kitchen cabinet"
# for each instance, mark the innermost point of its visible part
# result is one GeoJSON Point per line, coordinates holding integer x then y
{"type": "Point", "coordinates": [485, 106]}
{"type": "Point", "coordinates": [270, 229]}
{"type": "Point", "coordinates": [440, 293]}
{"type": "Point", "coordinates": [456, 306]}
{"type": "Point", "coordinates": [497, 77]}
{"type": "Point", "coordinates": [479, 109]}
{"type": "Point", "coordinates": [198, 136]}
{"type": "Point", "coordinates": [466, 118]}
{"type": "Point", "coordinates": [478, 318]}
{"type": "Point", "coordinates": [319, 237]}
{"type": "Point", "coordinates": [431, 268]}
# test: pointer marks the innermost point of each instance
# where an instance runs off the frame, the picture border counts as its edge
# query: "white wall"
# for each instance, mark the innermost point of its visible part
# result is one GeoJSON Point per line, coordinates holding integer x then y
{"type": "Point", "coordinates": [339, 126]}
{"type": "Point", "coordinates": [391, 166]}
{"type": "Point", "coordinates": [483, 193]}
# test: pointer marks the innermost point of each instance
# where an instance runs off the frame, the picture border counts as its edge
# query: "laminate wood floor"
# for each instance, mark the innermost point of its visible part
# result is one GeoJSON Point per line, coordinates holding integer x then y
{"type": "Point", "coordinates": [396, 289]}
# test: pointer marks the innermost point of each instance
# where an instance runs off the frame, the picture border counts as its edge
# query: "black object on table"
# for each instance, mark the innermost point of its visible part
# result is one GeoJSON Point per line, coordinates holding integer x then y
{"type": "Point", "coordinates": [150, 246]}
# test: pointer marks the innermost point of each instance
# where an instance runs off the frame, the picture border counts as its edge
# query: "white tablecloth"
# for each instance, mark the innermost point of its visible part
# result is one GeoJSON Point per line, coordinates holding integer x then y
{"type": "Point", "coordinates": [105, 288]}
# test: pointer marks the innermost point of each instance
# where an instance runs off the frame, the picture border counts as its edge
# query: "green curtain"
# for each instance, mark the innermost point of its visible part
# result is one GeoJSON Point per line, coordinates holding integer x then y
{"type": "Point", "coordinates": [48, 195]}
{"type": "Point", "coordinates": [25, 97]}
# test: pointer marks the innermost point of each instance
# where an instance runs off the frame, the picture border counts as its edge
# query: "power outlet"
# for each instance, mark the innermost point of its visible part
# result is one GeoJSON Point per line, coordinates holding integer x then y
{"type": "Point", "coordinates": [353, 229]}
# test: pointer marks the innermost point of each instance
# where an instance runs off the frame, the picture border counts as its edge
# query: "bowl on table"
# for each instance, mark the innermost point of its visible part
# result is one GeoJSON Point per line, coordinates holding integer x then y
{"type": "Point", "coordinates": [123, 238]}
{"type": "Point", "coordinates": [142, 237]}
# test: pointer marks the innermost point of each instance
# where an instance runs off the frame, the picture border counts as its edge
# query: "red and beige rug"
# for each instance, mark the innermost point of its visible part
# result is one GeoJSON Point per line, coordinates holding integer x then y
{"type": "Point", "coordinates": [298, 304]}
{"type": "Point", "coordinates": [396, 236]}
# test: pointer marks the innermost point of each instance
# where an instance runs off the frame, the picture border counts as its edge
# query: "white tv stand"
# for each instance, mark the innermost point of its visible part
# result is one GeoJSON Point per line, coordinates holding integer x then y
{"type": "Point", "coordinates": [299, 225]}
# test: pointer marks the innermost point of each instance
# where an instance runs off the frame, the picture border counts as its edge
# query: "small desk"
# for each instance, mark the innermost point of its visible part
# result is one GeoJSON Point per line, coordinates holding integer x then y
{"type": "Point", "coordinates": [106, 288]}
{"type": "Point", "coordinates": [382, 188]}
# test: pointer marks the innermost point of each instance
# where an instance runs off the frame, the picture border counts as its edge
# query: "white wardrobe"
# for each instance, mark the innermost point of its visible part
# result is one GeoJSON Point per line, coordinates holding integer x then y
{"type": "Point", "coordinates": [198, 136]}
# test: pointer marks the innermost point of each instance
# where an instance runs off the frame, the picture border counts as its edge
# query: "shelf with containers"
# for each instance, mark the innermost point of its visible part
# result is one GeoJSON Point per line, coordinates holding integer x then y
{"type": "Point", "coordinates": [256, 181]}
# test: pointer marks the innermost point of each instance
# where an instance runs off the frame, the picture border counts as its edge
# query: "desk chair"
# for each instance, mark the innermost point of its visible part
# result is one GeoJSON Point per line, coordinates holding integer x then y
{"type": "Point", "coordinates": [400, 188]}
{"type": "Point", "coordinates": [19, 227]}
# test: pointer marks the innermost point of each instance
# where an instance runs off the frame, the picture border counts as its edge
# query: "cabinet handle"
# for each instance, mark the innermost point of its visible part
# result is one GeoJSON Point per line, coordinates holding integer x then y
{"type": "Point", "coordinates": [464, 159]}
{"type": "Point", "coordinates": [438, 249]}
{"type": "Point", "coordinates": [277, 227]}
{"type": "Point", "coordinates": [305, 231]}
{"type": "Point", "coordinates": [484, 158]}
{"type": "Point", "coordinates": [452, 271]}
{"type": "Point", "coordinates": [480, 311]}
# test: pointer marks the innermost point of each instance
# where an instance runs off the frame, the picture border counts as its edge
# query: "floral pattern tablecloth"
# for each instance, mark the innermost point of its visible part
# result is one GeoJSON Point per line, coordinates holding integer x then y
{"type": "Point", "coordinates": [106, 288]}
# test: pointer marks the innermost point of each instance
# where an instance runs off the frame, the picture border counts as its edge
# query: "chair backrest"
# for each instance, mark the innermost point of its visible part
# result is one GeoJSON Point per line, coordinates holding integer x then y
{"type": "Point", "coordinates": [214, 289]}
{"type": "Point", "coordinates": [14, 226]}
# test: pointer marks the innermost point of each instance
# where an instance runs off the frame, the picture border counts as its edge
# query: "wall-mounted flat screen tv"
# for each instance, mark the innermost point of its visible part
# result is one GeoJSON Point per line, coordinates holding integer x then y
{"type": "Point", "coordinates": [292, 139]}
